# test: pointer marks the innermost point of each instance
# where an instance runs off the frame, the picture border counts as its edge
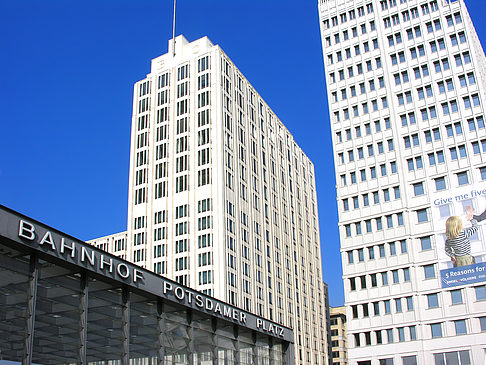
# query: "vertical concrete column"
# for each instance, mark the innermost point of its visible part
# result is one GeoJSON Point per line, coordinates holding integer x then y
{"type": "Point", "coordinates": [30, 310]}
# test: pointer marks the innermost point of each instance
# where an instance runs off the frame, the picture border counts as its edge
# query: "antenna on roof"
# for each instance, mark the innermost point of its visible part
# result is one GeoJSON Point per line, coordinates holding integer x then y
{"type": "Point", "coordinates": [173, 30]}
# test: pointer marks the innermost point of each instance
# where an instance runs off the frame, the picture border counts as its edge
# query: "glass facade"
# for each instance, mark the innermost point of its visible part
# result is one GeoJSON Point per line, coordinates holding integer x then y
{"type": "Point", "coordinates": [56, 312]}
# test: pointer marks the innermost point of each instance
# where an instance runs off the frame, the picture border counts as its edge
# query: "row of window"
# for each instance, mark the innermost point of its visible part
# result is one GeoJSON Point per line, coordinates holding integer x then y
{"type": "Point", "coordinates": [398, 276]}
{"type": "Point", "coordinates": [392, 220]}
{"type": "Point", "coordinates": [357, 50]}
{"type": "Point", "coordinates": [365, 198]}
{"type": "Point", "coordinates": [365, 109]}
{"type": "Point", "coordinates": [448, 107]}
{"type": "Point", "coordinates": [359, 153]}
{"type": "Point", "coordinates": [399, 334]}
{"type": "Point", "coordinates": [382, 307]}
{"type": "Point", "coordinates": [439, 66]}
{"type": "Point", "coordinates": [359, 70]}
{"type": "Point", "coordinates": [450, 358]}
{"type": "Point", "coordinates": [372, 172]}
{"type": "Point", "coordinates": [354, 33]}
{"type": "Point", "coordinates": [345, 93]}
{"type": "Point", "coordinates": [368, 130]}
{"type": "Point", "coordinates": [402, 334]}
{"type": "Point", "coordinates": [358, 255]}
{"type": "Point", "coordinates": [351, 14]}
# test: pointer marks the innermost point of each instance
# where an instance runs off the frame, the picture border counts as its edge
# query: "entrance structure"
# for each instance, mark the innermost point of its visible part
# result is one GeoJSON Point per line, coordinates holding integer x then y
{"type": "Point", "coordinates": [64, 301]}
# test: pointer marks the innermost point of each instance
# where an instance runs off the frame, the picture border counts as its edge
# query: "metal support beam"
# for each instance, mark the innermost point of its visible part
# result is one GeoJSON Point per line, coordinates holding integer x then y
{"type": "Point", "coordinates": [289, 356]}
{"type": "Point", "coordinates": [254, 349]}
{"type": "Point", "coordinates": [161, 333]}
{"type": "Point", "coordinates": [271, 353]}
{"type": "Point", "coordinates": [30, 315]}
{"type": "Point", "coordinates": [214, 327]}
{"type": "Point", "coordinates": [83, 319]}
{"type": "Point", "coordinates": [125, 326]}
{"type": "Point", "coordinates": [191, 348]}
{"type": "Point", "coordinates": [237, 344]}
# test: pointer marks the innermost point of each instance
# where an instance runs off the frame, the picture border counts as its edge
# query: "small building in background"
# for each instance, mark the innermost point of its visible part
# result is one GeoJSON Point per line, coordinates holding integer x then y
{"type": "Point", "coordinates": [339, 343]}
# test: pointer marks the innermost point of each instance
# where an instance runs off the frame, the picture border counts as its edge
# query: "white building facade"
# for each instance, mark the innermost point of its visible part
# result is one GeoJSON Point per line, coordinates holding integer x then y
{"type": "Point", "coordinates": [406, 90]}
{"type": "Point", "coordinates": [221, 198]}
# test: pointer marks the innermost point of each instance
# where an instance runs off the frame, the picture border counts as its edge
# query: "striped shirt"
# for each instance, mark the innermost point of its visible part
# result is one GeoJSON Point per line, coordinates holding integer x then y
{"type": "Point", "coordinates": [461, 246]}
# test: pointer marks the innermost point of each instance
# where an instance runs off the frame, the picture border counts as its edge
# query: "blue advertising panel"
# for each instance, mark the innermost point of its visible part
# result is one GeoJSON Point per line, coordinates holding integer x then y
{"type": "Point", "coordinates": [463, 275]}
{"type": "Point", "coordinates": [459, 218]}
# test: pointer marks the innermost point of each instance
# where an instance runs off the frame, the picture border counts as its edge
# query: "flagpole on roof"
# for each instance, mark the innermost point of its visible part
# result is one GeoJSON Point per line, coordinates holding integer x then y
{"type": "Point", "coordinates": [173, 30]}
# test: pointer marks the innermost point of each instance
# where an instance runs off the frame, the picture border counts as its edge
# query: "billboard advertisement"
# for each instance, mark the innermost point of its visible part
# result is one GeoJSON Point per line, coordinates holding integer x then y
{"type": "Point", "coordinates": [459, 217]}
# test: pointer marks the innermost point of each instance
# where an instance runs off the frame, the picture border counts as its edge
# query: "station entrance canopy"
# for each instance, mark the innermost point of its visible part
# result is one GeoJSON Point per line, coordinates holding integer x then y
{"type": "Point", "coordinates": [63, 301]}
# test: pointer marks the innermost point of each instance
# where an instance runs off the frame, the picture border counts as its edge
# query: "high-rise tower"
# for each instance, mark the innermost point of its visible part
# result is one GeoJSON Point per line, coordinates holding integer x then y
{"type": "Point", "coordinates": [221, 198]}
{"type": "Point", "coordinates": [406, 88]}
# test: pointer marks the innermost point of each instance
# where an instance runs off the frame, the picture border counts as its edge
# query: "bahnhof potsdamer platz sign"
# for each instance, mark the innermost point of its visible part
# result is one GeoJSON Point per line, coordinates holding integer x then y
{"type": "Point", "coordinates": [63, 301]}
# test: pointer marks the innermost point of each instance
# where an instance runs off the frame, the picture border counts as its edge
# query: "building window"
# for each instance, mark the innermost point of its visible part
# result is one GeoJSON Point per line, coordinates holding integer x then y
{"type": "Point", "coordinates": [350, 257]}
{"type": "Point", "coordinates": [462, 178]}
{"type": "Point", "coordinates": [436, 330]}
{"type": "Point", "coordinates": [418, 189]}
{"type": "Point", "coordinates": [426, 243]}
{"type": "Point", "coordinates": [460, 326]}
{"type": "Point", "coordinates": [422, 215]}
{"type": "Point", "coordinates": [433, 300]}
{"type": "Point", "coordinates": [440, 183]}
{"type": "Point", "coordinates": [429, 271]}
{"type": "Point", "coordinates": [482, 324]}
{"type": "Point", "coordinates": [456, 296]}
{"type": "Point", "coordinates": [480, 292]}
{"type": "Point", "coordinates": [453, 357]}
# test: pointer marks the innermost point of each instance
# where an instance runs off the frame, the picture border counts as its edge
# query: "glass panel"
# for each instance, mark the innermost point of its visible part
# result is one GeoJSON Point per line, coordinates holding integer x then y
{"type": "Point", "coordinates": [225, 342]}
{"type": "Point", "coordinates": [177, 334]}
{"type": "Point", "coordinates": [245, 338]}
{"type": "Point", "coordinates": [14, 278]}
{"type": "Point", "coordinates": [452, 358]}
{"type": "Point", "coordinates": [104, 322]}
{"type": "Point", "coordinates": [263, 350]}
{"type": "Point", "coordinates": [57, 318]}
{"type": "Point", "coordinates": [464, 356]}
{"type": "Point", "coordinates": [143, 329]}
{"type": "Point", "coordinates": [203, 339]}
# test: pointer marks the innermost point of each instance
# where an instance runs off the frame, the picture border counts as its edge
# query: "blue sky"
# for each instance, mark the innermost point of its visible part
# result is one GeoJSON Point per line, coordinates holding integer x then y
{"type": "Point", "coordinates": [66, 79]}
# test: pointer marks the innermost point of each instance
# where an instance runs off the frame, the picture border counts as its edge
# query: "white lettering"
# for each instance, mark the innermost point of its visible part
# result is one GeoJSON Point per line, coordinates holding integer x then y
{"type": "Point", "coordinates": [48, 239]}
{"type": "Point", "coordinates": [85, 255]}
{"type": "Point", "coordinates": [227, 311]}
{"type": "Point", "coordinates": [281, 331]}
{"type": "Point", "coordinates": [126, 270]}
{"type": "Point", "coordinates": [209, 304]}
{"type": "Point", "coordinates": [242, 317]}
{"type": "Point", "coordinates": [167, 287]}
{"type": "Point", "coordinates": [103, 262]}
{"type": "Point", "coordinates": [259, 323]}
{"type": "Point", "coordinates": [179, 293]}
{"type": "Point", "coordinates": [189, 296]}
{"type": "Point", "coordinates": [235, 315]}
{"type": "Point", "coordinates": [26, 230]}
{"type": "Point", "coordinates": [217, 308]}
{"type": "Point", "coordinates": [199, 301]}
{"type": "Point", "coordinates": [137, 275]}
{"type": "Point", "coordinates": [72, 247]}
